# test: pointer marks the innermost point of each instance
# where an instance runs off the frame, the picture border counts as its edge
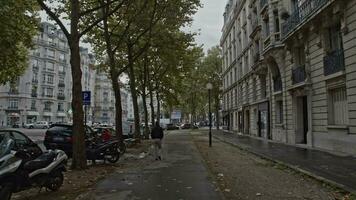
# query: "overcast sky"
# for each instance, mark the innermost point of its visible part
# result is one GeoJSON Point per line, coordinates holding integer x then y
{"type": "Point", "coordinates": [209, 20]}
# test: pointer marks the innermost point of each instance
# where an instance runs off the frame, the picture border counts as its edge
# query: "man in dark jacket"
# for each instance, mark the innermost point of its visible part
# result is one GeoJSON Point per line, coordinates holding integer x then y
{"type": "Point", "coordinates": [157, 136]}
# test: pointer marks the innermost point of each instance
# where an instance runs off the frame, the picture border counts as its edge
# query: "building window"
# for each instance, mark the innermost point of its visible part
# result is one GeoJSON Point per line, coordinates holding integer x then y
{"type": "Point", "coordinates": [335, 38]}
{"type": "Point", "coordinates": [49, 92]}
{"type": "Point", "coordinates": [338, 112]}
{"type": "Point", "coordinates": [279, 112]}
{"type": "Point", "coordinates": [60, 107]}
{"type": "Point", "coordinates": [60, 92]}
{"type": "Point", "coordinates": [50, 66]}
{"type": "Point", "coordinates": [35, 63]}
{"type": "Point", "coordinates": [60, 68]}
{"type": "Point", "coordinates": [50, 79]}
{"type": "Point", "coordinates": [13, 103]}
{"type": "Point", "coordinates": [299, 55]}
{"type": "Point", "coordinates": [62, 57]}
{"type": "Point", "coordinates": [33, 105]}
{"type": "Point", "coordinates": [50, 53]}
{"type": "Point", "coordinates": [254, 89]}
{"type": "Point", "coordinates": [47, 106]}
{"type": "Point", "coordinates": [276, 22]}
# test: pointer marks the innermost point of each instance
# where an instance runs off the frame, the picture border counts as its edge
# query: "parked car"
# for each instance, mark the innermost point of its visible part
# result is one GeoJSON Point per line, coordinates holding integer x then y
{"type": "Point", "coordinates": [39, 125]}
{"type": "Point", "coordinates": [186, 126]}
{"type": "Point", "coordinates": [172, 127]}
{"type": "Point", "coordinates": [60, 136]}
{"type": "Point", "coordinates": [28, 125]}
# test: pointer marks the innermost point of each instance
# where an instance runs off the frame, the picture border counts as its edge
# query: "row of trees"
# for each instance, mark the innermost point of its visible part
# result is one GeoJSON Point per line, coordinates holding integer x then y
{"type": "Point", "coordinates": [141, 38]}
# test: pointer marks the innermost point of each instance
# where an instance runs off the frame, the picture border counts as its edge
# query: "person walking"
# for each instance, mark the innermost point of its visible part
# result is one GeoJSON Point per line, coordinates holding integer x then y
{"type": "Point", "coordinates": [157, 136]}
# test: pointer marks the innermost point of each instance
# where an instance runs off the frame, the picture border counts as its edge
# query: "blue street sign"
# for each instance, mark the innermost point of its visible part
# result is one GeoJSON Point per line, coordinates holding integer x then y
{"type": "Point", "coordinates": [86, 97]}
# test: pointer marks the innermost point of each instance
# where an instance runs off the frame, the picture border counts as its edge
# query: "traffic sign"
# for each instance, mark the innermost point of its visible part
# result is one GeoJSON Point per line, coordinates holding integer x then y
{"type": "Point", "coordinates": [86, 97]}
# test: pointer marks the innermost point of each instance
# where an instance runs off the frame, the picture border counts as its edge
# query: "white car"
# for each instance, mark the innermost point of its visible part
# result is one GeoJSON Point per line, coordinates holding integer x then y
{"type": "Point", "coordinates": [39, 124]}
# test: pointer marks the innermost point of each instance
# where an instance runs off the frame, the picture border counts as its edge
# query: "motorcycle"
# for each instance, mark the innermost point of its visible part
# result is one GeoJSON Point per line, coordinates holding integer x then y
{"type": "Point", "coordinates": [107, 151]}
{"type": "Point", "coordinates": [18, 172]}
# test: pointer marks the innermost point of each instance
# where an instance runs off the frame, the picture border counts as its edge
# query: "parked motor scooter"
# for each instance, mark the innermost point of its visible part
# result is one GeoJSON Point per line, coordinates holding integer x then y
{"type": "Point", "coordinates": [18, 172]}
{"type": "Point", "coordinates": [107, 151]}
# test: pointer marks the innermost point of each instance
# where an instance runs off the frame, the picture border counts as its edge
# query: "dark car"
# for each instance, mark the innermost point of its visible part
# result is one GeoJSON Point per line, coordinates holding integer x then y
{"type": "Point", "coordinates": [21, 142]}
{"type": "Point", "coordinates": [60, 136]}
{"type": "Point", "coordinates": [100, 130]}
{"type": "Point", "coordinates": [172, 127]}
{"type": "Point", "coordinates": [186, 126]}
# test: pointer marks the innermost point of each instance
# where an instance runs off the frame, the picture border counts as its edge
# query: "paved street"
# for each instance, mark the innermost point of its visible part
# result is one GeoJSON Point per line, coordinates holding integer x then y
{"type": "Point", "coordinates": [336, 169]}
{"type": "Point", "coordinates": [181, 175]}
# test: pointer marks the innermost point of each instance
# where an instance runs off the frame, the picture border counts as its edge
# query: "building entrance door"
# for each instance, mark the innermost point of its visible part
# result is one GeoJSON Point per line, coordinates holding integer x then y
{"type": "Point", "coordinates": [263, 121]}
{"type": "Point", "coordinates": [302, 120]}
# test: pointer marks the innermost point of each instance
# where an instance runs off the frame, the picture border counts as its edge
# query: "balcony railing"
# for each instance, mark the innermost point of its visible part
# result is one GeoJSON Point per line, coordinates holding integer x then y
{"type": "Point", "coordinates": [61, 85]}
{"type": "Point", "coordinates": [34, 94]}
{"type": "Point", "coordinates": [300, 14]}
{"type": "Point", "coordinates": [334, 62]}
{"type": "Point", "coordinates": [277, 84]}
{"type": "Point", "coordinates": [298, 74]}
{"type": "Point", "coordinates": [35, 81]}
{"type": "Point", "coordinates": [61, 97]}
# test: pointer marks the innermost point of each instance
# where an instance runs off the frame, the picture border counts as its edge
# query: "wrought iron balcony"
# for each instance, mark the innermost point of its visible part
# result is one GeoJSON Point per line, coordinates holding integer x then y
{"type": "Point", "coordinates": [61, 97]}
{"type": "Point", "coordinates": [34, 81]}
{"type": "Point", "coordinates": [298, 74]}
{"type": "Point", "coordinates": [34, 94]}
{"type": "Point", "coordinates": [300, 14]}
{"type": "Point", "coordinates": [334, 62]}
{"type": "Point", "coordinates": [277, 84]}
{"type": "Point", "coordinates": [61, 85]}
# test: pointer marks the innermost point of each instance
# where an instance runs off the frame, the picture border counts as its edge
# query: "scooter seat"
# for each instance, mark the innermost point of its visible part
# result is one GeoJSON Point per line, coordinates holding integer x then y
{"type": "Point", "coordinates": [41, 162]}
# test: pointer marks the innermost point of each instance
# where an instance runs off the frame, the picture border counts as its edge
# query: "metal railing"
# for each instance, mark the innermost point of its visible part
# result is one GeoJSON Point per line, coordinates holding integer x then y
{"type": "Point", "coordinates": [61, 85]}
{"type": "Point", "coordinates": [61, 97]}
{"type": "Point", "coordinates": [277, 84]}
{"type": "Point", "coordinates": [298, 74]}
{"type": "Point", "coordinates": [34, 94]}
{"type": "Point", "coordinates": [334, 62]}
{"type": "Point", "coordinates": [300, 14]}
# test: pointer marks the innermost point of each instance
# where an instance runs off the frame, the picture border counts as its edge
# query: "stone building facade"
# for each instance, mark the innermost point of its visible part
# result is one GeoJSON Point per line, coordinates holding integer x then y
{"type": "Point", "coordinates": [289, 71]}
{"type": "Point", "coordinates": [43, 91]}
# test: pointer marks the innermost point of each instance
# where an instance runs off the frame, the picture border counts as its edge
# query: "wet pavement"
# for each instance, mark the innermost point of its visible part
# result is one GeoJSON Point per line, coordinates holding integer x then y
{"type": "Point", "coordinates": [338, 170]}
{"type": "Point", "coordinates": [180, 175]}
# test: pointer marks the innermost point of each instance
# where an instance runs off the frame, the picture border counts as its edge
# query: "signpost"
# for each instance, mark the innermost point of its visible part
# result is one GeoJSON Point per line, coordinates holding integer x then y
{"type": "Point", "coordinates": [86, 96]}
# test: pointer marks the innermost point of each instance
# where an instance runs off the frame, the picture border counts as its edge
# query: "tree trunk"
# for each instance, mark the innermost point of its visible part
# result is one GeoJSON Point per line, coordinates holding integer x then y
{"type": "Point", "coordinates": [118, 106]}
{"type": "Point", "coordinates": [147, 130]}
{"type": "Point", "coordinates": [79, 157]}
{"type": "Point", "coordinates": [114, 75]}
{"type": "Point", "coordinates": [158, 108]}
{"type": "Point", "coordinates": [152, 107]}
{"type": "Point", "coordinates": [137, 132]}
{"type": "Point", "coordinates": [217, 116]}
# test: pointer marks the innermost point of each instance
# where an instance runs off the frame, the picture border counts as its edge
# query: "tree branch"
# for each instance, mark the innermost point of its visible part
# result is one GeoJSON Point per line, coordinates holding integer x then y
{"type": "Point", "coordinates": [55, 18]}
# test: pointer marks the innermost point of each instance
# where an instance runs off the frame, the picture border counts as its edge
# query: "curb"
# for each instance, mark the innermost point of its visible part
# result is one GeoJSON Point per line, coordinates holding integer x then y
{"type": "Point", "coordinates": [293, 167]}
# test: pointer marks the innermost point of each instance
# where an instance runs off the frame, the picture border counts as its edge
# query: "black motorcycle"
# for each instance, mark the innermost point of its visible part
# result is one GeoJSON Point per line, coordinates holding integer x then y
{"type": "Point", "coordinates": [107, 151]}
{"type": "Point", "coordinates": [18, 171]}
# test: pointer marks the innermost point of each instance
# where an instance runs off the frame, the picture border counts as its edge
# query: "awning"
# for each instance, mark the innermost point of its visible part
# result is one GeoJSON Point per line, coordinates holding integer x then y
{"type": "Point", "coordinates": [13, 115]}
{"type": "Point", "coordinates": [61, 114]}
{"type": "Point", "coordinates": [32, 113]}
{"type": "Point", "coordinates": [47, 114]}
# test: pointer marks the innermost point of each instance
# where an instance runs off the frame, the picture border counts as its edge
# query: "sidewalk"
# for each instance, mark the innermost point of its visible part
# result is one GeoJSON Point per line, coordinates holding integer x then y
{"type": "Point", "coordinates": [337, 170]}
{"type": "Point", "coordinates": [181, 174]}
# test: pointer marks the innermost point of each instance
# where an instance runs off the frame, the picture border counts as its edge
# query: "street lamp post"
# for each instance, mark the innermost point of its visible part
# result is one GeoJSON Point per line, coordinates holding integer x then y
{"type": "Point", "coordinates": [209, 86]}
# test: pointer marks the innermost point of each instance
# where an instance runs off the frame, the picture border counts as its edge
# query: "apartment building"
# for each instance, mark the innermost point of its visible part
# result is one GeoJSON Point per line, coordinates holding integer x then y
{"type": "Point", "coordinates": [42, 92]}
{"type": "Point", "coordinates": [104, 108]}
{"type": "Point", "coordinates": [288, 71]}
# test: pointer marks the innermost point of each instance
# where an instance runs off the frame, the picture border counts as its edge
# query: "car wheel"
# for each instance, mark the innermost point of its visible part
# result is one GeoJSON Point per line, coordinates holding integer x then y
{"type": "Point", "coordinates": [31, 127]}
{"type": "Point", "coordinates": [45, 127]}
